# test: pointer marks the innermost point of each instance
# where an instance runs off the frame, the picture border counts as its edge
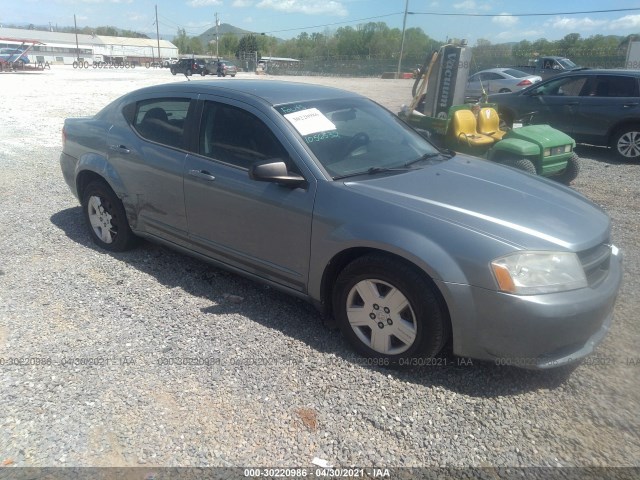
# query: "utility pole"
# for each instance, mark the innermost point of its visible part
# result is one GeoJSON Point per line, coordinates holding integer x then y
{"type": "Point", "coordinates": [75, 29]}
{"type": "Point", "coordinates": [217, 39]}
{"type": "Point", "coordinates": [158, 38]}
{"type": "Point", "coordinates": [404, 25]}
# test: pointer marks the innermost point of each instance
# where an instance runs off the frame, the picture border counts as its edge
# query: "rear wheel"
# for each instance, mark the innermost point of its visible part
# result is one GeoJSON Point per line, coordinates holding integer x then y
{"type": "Point", "coordinates": [188, 72]}
{"type": "Point", "coordinates": [389, 310]}
{"type": "Point", "coordinates": [626, 143]}
{"type": "Point", "coordinates": [523, 164]}
{"type": "Point", "coordinates": [571, 171]}
{"type": "Point", "coordinates": [106, 218]}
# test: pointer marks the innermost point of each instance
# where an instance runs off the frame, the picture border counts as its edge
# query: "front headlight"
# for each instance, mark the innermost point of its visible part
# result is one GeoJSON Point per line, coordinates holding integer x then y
{"type": "Point", "coordinates": [531, 273]}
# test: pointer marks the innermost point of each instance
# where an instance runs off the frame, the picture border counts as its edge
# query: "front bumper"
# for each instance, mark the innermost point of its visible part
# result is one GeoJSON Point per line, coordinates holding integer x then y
{"type": "Point", "coordinates": [532, 331]}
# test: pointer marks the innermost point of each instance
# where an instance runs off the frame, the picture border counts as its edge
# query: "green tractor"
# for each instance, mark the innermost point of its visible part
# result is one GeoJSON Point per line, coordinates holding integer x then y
{"type": "Point", "coordinates": [440, 112]}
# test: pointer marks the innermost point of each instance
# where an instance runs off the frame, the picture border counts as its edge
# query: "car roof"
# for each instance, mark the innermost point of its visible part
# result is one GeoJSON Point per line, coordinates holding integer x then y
{"type": "Point", "coordinates": [600, 71]}
{"type": "Point", "coordinates": [273, 92]}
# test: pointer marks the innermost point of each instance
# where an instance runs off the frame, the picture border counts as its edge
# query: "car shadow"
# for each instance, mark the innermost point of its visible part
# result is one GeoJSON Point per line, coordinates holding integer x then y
{"type": "Point", "coordinates": [600, 154]}
{"type": "Point", "coordinates": [233, 294]}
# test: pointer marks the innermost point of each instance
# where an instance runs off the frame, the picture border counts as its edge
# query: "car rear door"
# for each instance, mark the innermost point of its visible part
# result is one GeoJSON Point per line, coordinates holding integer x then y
{"type": "Point", "coordinates": [259, 227]}
{"type": "Point", "coordinates": [148, 151]}
{"type": "Point", "coordinates": [612, 99]}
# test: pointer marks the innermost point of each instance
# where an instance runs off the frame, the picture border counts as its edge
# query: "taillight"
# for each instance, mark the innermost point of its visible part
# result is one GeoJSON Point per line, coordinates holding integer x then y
{"type": "Point", "coordinates": [524, 83]}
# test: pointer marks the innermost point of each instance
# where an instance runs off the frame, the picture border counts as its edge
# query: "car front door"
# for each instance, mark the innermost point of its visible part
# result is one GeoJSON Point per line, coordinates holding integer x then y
{"type": "Point", "coordinates": [555, 102]}
{"type": "Point", "coordinates": [262, 228]}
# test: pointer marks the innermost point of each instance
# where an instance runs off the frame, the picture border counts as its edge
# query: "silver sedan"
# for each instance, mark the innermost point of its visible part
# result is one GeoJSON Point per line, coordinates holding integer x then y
{"type": "Point", "coordinates": [326, 195]}
{"type": "Point", "coordinates": [498, 80]}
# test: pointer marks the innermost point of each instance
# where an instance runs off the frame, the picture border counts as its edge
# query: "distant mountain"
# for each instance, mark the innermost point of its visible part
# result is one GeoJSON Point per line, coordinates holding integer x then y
{"type": "Point", "coordinates": [223, 28]}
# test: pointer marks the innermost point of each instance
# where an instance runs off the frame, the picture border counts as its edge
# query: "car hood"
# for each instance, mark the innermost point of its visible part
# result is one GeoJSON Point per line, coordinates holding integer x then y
{"type": "Point", "coordinates": [515, 207]}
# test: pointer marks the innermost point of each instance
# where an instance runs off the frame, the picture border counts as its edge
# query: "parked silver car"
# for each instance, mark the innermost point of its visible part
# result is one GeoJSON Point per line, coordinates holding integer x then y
{"type": "Point", "coordinates": [328, 196]}
{"type": "Point", "coordinates": [498, 80]}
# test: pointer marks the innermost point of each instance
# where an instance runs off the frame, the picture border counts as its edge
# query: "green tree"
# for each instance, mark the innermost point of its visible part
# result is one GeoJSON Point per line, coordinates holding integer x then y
{"type": "Point", "coordinates": [228, 45]}
{"type": "Point", "coordinates": [247, 48]}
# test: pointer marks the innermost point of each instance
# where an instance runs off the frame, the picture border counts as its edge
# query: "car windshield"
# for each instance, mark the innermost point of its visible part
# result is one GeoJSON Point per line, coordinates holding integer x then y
{"type": "Point", "coordinates": [356, 136]}
{"type": "Point", "coordinates": [566, 63]}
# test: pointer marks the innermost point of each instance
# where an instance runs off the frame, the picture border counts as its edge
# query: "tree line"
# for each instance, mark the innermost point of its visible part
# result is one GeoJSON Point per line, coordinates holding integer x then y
{"type": "Point", "coordinates": [375, 40]}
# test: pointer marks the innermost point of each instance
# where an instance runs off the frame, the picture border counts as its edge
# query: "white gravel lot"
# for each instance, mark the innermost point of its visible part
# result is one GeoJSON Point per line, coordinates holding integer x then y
{"type": "Point", "coordinates": [279, 388]}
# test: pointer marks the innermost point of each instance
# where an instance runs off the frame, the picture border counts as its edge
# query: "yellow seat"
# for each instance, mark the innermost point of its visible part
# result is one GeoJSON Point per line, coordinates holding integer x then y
{"type": "Point", "coordinates": [464, 129]}
{"type": "Point", "coordinates": [489, 123]}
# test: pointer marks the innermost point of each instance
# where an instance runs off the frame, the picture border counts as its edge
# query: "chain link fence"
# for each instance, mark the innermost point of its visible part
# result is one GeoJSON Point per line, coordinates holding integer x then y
{"type": "Point", "coordinates": [375, 66]}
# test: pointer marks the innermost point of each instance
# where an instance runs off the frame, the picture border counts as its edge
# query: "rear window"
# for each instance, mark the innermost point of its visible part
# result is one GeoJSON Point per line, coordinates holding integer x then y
{"type": "Point", "coordinates": [516, 73]}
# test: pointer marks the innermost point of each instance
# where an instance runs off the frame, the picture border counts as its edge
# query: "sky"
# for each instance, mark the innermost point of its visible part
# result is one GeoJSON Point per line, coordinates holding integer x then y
{"type": "Point", "coordinates": [495, 20]}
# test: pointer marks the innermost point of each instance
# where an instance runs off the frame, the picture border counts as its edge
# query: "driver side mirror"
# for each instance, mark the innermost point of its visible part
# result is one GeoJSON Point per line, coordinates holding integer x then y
{"type": "Point", "coordinates": [275, 171]}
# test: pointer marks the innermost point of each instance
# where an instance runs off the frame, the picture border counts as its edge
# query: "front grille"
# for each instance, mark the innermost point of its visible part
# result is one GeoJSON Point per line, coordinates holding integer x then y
{"type": "Point", "coordinates": [595, 262]}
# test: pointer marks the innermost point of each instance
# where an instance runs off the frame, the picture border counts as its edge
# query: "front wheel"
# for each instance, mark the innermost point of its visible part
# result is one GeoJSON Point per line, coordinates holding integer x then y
{"type": "Point", "coordinates": [626, 143]}
{"type": "Point", "coordinates": [523, 164]}
{"type": "Point", "coordinates": [571, 171]}
{"type": "Point", "coordinates": [106, 219]}
{"type": "Point", "coordinates": [389, 310]}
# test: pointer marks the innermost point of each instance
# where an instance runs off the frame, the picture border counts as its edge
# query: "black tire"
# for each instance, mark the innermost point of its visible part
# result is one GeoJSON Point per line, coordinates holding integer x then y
{"type": "Point", "coordinates": [110, 229]}
{"type": "Point", "coordinates": [188, 72]}
{"type": "Point", "coordinates": [173, 71]}
{"type": "Point", "coordinates": [523, 164]}
{"type": "Point", "coordinates": [203, 73]}
{"type": "Point", "coordinates": [571, 171]}
{"type": "Point", "coordinates": [424, 320]}
{"type": "Point", "coordinates": [626, 143]}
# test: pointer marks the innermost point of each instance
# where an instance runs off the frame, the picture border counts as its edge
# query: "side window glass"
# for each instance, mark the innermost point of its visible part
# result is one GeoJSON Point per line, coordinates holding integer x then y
{"type": "Point", "coordinates": [612, 86]}
{"type": "Point", "coordinates": [237, 137]}
{"type": "Point", "coordinates": [162, 120]}
{"type": "Point", "coordinates": [563, 87]}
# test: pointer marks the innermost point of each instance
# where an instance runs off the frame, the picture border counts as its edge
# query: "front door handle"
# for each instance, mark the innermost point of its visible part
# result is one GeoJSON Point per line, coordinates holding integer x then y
{"type": "Point", "coordinates": [120, 148]}
{"type": "Point", "coordinates": [203, 174]}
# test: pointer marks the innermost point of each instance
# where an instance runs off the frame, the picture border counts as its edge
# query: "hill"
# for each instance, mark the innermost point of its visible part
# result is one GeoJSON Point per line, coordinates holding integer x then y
{"type": "Point", "coordinates": [223, 28]}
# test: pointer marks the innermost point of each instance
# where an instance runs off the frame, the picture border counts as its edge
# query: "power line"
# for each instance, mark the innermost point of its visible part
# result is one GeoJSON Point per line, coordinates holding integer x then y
{"type": "Point", "coordinates": [336, 23]}
{"type": "Point", "coordinates": [611, 10]}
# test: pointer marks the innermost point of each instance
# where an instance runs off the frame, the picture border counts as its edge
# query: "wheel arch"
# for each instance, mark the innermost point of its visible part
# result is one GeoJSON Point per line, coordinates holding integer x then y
{"type": "Point", "coordinates": [629, 122]}
{"type": "Point", "coordinates": [340, 260]}
{"type": "Point", "coordinates": [94, 167]}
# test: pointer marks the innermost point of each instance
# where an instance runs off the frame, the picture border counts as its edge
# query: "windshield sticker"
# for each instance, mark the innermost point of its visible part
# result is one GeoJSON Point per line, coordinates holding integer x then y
{"type": "Point", "coordinates": [310, 121]}
{"type": "Point", "coordinates": [291, 108]}
{"type": "Point", "coordinates": [318, 137]}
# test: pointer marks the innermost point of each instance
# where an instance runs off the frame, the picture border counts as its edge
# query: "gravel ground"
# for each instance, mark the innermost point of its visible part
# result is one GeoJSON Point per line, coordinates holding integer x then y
{"type": "Point", "coordinates": [153, 358]}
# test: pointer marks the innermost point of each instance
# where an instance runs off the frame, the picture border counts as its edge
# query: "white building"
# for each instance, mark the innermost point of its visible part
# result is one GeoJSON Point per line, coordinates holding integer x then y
{"type": "Point", "coordinates": [62, 47]}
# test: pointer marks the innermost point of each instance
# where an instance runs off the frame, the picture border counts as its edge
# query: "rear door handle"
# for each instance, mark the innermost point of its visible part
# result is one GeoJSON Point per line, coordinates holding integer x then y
{"type": "Point", "coordinates": [120, 148]}
{"type": "Point", "coordinates": [203, 174]}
